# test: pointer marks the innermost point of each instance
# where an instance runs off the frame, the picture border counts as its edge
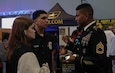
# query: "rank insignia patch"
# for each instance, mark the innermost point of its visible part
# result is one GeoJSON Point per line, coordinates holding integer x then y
{"type": "Point", "coordinates": [100, 48]}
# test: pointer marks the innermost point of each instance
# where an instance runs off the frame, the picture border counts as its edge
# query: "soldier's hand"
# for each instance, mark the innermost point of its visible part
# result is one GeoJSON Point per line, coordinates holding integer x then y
{"type": "Point", "coordinates": [62, 50]}
{"type": "Point", "coordinates": [70, 58]}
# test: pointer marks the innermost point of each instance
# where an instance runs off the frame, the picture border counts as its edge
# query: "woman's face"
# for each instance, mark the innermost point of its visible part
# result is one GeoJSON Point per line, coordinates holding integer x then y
{"type": "Point", "coordinates": [30, 32]}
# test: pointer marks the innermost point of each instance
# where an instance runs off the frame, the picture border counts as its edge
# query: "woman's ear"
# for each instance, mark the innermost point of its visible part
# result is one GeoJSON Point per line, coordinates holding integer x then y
{"type": "Point", "coordinates": [25, 32]}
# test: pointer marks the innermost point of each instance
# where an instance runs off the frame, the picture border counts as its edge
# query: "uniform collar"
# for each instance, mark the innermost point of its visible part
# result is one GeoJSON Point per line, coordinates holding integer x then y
{"type": "Point", "coordinates": [89, 25]}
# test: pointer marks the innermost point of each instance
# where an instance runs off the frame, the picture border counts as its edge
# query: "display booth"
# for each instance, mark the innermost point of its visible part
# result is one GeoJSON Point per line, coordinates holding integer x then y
{"type": "Point", "coordinates": [59, 20]}
{"type": "Point", "coordinates": [61, 23]}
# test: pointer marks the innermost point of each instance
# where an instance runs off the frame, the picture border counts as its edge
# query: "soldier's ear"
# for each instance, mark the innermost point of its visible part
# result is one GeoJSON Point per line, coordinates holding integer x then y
{"type": "Point", "coordinates": [86, 16]}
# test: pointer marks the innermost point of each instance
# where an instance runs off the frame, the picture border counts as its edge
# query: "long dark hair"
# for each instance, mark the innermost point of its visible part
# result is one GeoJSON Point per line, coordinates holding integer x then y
{"type": "Point", "coordinates": [17, 34]}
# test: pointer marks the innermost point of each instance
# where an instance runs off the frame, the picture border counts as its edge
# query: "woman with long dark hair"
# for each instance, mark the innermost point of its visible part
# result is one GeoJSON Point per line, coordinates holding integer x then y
{"type": "Point", "coordinates": [20, 55]}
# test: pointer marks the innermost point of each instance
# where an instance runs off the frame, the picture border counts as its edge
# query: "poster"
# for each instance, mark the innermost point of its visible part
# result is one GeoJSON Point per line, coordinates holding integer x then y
{"type": "Point", "coordinates": [66, 67]}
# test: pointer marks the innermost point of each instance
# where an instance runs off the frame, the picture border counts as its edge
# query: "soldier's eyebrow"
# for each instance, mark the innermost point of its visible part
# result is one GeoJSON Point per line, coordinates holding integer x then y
{"type": "Point", "coordinates": [44, 17]}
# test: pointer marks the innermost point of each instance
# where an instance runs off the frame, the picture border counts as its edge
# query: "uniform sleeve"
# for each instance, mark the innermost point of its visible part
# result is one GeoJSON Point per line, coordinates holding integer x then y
{"type": "Point", "coordinates": [96, 50]}
{"type": "Point", "coordinates": [28, 63]}
{"type": "Point", "coordinates": [70, 46]}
